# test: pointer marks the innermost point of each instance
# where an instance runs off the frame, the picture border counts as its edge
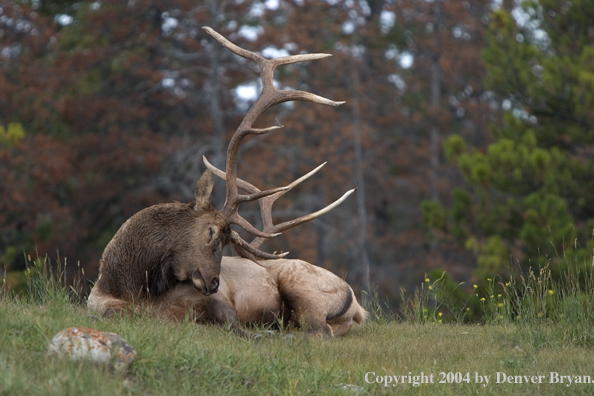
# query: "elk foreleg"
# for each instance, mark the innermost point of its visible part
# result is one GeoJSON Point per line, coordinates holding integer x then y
{"type": "Point", "coordinates": [221, 313]}
{"type": "Point", "coordinates": [184, 302]}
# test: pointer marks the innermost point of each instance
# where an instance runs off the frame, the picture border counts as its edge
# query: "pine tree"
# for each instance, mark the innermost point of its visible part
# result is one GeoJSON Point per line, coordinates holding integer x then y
{"type": "Point", "coordinates": [529, 191]}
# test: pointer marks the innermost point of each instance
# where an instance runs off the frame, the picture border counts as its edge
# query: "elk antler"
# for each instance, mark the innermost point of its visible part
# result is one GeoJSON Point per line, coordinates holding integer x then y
{"type": "Point", "coordinates": [269, 97]}
{"type": "Point", "coordinates": [267, 202]}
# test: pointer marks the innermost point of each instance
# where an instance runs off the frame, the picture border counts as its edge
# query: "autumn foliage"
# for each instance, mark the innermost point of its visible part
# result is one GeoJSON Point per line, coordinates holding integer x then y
{"type": "Point", "coordinates": [112, 104]}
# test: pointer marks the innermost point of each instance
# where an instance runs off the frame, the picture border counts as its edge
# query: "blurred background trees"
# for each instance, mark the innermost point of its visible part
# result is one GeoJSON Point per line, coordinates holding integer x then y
{"type": "Point", "coordinates": [466, 127]}
{"type": "Point", "coordinates": [534, 182]}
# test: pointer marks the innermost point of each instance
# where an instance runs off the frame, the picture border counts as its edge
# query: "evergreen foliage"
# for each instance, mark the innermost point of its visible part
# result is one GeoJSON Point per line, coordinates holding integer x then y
{"type": "Point", "coordinates": [528, 193]}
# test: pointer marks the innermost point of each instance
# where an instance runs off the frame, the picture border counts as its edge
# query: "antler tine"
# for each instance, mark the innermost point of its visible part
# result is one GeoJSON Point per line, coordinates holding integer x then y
{"type": "Point", "coordinates": [232, 47]}
{"type": "Point", "coordinates": [258, 241]}
{"type": "Point", "coordinates": [251, 189]}
{"type": "Point", "coordinates": [243, 245]}
{"type": "Point", "coordinates": [240, 243]}
{"type": "Point", "coordinates": [269, 97]}
{"type": "Point", "coordinates": [245, 186]}
{"type": "Point", "coordinates": [267, 202]}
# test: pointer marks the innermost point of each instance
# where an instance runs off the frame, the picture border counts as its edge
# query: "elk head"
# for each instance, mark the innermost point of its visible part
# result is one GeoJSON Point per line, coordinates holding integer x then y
{"type": "Point", "coordinates": [165, 244]}
{"type": "Point", "coordinates": [209, 235]}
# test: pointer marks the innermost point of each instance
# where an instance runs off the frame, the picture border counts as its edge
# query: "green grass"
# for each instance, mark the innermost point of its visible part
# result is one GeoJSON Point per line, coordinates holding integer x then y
{"type": "Point", "coordinates": [553, 334]}
{"type": "Point", "coordinates": [180, 359]}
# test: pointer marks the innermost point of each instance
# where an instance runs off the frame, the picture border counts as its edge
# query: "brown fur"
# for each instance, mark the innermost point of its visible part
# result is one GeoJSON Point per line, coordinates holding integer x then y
{"type": "Point", "coordinates": [158, 248]}
{"type": "Point", "coordinates": [292, 291]}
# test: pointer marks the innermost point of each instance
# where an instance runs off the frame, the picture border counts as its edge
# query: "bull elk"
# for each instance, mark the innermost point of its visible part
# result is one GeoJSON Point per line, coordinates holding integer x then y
{"type": "Point", "coordinates": [168, 257]}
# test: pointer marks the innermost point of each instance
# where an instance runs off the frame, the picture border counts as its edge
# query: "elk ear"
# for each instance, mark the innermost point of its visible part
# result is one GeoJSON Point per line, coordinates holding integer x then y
{"type": "Point", "coordinates": [203, 191]}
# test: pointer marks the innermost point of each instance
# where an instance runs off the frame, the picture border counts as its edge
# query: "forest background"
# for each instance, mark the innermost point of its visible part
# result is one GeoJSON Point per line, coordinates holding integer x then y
{"type": "Point", "coordinates": [467, 129]}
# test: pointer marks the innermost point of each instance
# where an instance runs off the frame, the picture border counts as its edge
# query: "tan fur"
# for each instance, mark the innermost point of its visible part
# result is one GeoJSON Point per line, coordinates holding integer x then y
{"type": "Point", "coordinates": [320, 301]}
{"type": "Point", "coordinates": [292, 291]}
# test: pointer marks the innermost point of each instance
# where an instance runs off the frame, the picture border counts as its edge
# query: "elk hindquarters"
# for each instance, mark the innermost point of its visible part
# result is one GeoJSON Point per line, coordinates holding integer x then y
{"type": "Point", "coordinates": [302, 310]}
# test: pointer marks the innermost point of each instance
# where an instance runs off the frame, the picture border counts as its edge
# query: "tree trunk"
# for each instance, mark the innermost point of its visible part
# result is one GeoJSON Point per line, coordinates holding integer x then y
{"type": "Point", "coordinates": [214, 91]}
{"type": "Point", "coordinates": [435, 100]}
{"type": "Point", "coordinates": [361, 204]}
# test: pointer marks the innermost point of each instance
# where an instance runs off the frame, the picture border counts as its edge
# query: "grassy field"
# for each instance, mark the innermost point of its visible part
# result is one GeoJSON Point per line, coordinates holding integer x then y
{"type": "Point", "coordinates": [180, 359]}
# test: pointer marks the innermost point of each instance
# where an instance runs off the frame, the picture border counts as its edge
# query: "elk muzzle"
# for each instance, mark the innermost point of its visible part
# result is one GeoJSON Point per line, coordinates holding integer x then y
{"type": "Point", "coordinates": [201, 285]}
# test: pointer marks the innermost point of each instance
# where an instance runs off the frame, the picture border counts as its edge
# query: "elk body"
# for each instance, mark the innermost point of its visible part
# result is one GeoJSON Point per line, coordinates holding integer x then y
{"type": "Point", "coordinates": [289, 292]}
{"type": "Point", "coordinates": [168, 258]}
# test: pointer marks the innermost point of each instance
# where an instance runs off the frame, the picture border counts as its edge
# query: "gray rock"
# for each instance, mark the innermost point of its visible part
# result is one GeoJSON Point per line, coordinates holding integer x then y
{"type": "Point", "coordinates": [82, 343]}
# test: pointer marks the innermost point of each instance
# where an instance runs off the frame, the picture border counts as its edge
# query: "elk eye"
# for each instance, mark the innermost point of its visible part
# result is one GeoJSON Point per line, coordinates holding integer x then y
{"type": "Point", "coordinates": [211, 233]}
